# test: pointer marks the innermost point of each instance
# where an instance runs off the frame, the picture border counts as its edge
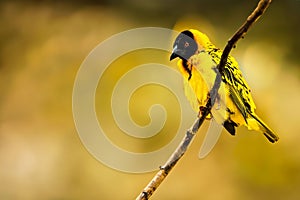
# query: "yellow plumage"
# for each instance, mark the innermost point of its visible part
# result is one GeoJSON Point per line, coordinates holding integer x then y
{"type": "Point", "coordinates": [234, 105]}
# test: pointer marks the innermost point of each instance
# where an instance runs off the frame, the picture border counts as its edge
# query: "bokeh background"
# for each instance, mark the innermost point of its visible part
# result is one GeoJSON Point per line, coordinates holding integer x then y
{"type": "Point", "coordinates": [43, 43]}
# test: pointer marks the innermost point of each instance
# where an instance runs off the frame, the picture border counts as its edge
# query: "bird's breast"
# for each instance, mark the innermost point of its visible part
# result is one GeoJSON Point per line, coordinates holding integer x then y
{"type": "Point", "coordinates": [204, 64]}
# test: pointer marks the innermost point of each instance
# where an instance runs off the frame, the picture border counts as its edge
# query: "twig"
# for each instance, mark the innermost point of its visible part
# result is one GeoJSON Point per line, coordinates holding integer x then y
{"type": "Point", "coordinates": [185, 143]}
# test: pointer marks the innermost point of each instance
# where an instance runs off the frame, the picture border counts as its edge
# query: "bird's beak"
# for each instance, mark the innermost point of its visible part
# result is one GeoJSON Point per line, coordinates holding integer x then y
{"type": "Point", "coordinates": [174, 53]}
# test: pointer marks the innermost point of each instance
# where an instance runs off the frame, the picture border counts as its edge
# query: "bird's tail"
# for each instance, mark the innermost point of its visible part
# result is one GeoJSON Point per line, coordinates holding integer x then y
{"type": "Point", "coordinates": [261, 126]}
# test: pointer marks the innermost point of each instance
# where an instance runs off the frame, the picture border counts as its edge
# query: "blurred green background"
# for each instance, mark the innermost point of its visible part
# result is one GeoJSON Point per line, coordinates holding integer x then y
{"type": "Point", "coordinates": [43, 43]}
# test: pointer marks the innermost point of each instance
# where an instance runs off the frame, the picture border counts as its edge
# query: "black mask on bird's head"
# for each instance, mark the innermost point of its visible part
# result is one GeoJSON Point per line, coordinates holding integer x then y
{"type": "Point", "coordinates": [184, 46]}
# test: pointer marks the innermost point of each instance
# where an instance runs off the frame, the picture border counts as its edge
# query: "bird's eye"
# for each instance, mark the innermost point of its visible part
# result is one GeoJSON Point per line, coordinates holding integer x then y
{"type": "Point", "coordinates": [186, 44]}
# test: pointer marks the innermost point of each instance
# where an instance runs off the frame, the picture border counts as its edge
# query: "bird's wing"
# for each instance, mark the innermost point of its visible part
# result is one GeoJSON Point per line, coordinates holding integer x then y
{"type": "Point", "coordinates": [238, 87]}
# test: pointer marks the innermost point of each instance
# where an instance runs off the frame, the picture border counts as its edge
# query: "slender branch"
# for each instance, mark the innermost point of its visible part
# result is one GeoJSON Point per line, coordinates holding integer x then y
{"type": "Point", "coordinates": [185, 143]}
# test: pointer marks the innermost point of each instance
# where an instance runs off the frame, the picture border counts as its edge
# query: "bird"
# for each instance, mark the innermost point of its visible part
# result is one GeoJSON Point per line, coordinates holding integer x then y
{"type": "Point", "coordinates": [234, 106]}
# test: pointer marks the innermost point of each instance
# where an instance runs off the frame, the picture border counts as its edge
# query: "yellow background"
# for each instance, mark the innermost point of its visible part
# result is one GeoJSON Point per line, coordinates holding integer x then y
{"type": "Point", "coordinates": [42, 47]}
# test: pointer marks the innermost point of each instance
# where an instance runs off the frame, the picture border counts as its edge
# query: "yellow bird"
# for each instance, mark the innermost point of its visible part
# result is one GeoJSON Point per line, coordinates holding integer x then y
{"type": "Point", "coordinates": [234, 105]}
